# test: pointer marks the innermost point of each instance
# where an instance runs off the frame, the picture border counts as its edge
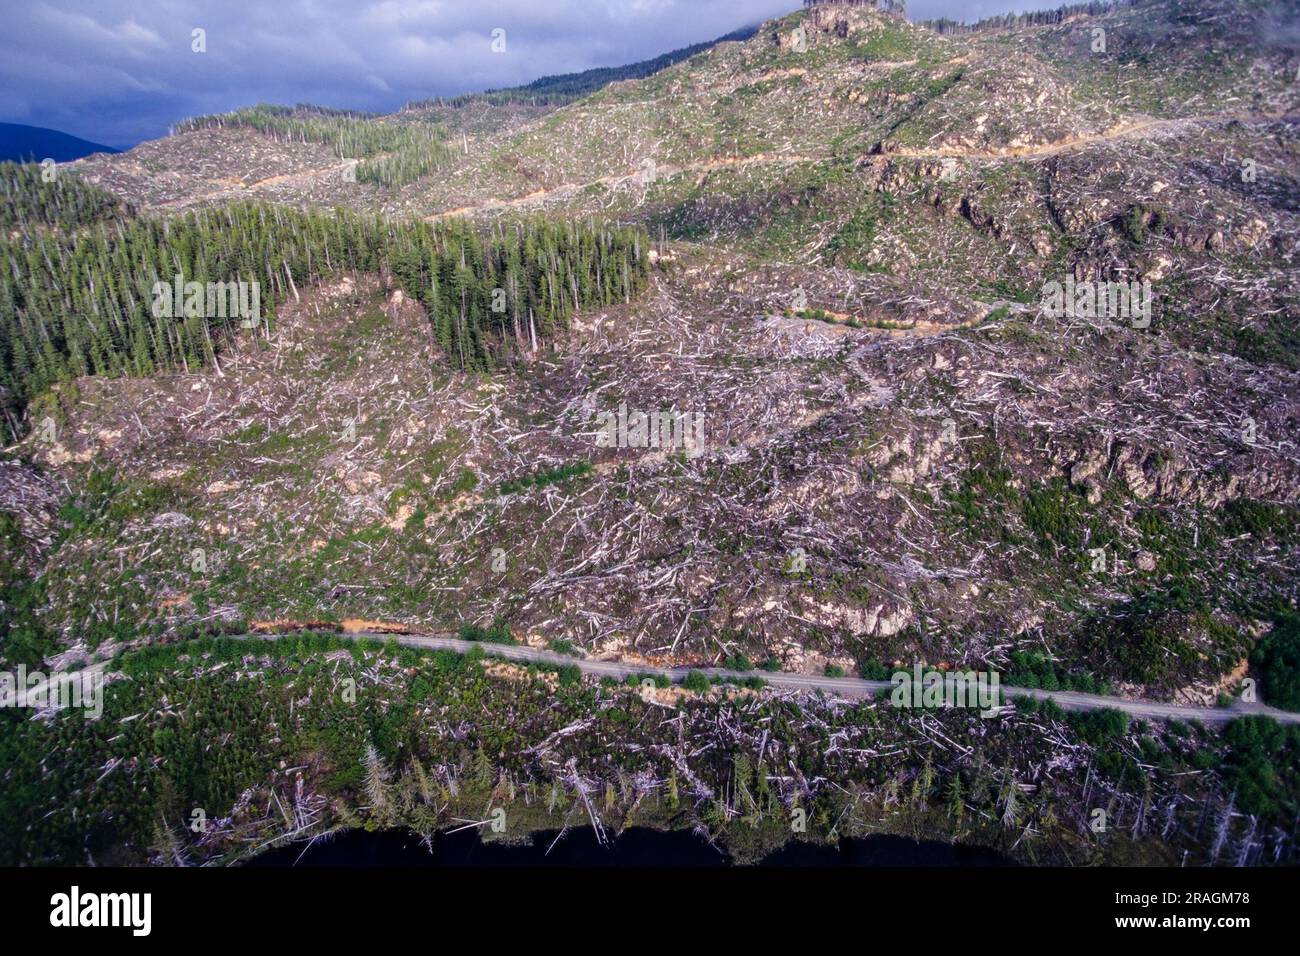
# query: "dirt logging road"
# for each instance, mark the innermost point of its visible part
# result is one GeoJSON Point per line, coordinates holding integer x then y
{"type": "Point", "coordinates": [850, 688]}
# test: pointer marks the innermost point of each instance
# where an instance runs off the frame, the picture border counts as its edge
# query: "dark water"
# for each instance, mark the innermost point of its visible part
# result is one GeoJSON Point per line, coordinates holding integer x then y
{"type": "Point", "coordinates": [635, 847]}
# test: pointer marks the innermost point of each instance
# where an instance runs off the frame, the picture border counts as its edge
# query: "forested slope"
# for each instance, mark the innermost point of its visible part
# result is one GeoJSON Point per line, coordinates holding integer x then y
{"type": "Point", "coordinates": [81, 302]}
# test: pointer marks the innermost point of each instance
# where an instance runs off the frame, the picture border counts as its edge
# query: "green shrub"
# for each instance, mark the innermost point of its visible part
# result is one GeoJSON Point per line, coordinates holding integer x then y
{"type": "Point", "coordinates": [1278, 658]}
{"type": "Point", "coordinates": [498, 633]}
{"type": "Point", "coordinates": [543, 478]}
{"type": "Point", "coordinates": [872, 669]}
{"type": "Point", "coordinates": [1099, 727]}
{"type": "Point", "coordinates": [1035, 669]}
{"type": "Point", "coordinates": [738, 662]}
{"type": "Point", "coordinates": [659, 680]}
{"type": "Point", "coordinates": [1262, 764]}
{"type": "Point", "coordinates": [696, 681]}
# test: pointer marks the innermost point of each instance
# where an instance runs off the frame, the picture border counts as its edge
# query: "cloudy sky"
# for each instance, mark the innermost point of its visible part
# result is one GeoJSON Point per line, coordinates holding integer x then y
{"type": "Point", "coordinates": [120, 71]}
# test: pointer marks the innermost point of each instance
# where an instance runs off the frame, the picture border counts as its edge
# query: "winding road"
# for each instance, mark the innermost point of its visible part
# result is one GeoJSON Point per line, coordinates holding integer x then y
{"type": "Point", "coordinates": [1135, 127]}
{"type": "Point", "coordinates": [846, 687]}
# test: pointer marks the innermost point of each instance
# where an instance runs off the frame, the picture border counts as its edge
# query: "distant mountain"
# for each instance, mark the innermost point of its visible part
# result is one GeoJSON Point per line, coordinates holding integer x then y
{"type": "Point", "coordinates": [35, 143]}
{"type": "Point", "coordinates": [567, 87]}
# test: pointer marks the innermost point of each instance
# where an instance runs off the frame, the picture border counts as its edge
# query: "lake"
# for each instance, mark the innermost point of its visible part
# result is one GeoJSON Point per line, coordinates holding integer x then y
{"type": "Point", "coordinates": [636, 847]}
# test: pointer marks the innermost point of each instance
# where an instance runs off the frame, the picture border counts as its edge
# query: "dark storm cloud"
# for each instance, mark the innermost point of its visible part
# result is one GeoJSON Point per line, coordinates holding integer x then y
{"type": "Point", "coordinates": [119, 71]}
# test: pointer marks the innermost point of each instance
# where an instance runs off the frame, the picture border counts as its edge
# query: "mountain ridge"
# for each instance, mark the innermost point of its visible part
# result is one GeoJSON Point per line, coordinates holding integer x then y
{"type": "Point", "coordinates": [22, 143]}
